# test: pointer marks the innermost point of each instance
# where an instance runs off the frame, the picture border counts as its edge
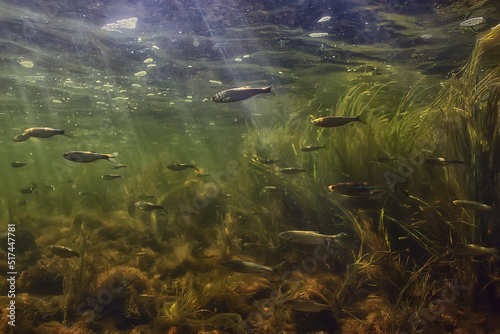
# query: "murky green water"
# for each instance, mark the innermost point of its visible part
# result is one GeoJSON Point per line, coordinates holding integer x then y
{"type": "Point", "coordinates": [138, 77]}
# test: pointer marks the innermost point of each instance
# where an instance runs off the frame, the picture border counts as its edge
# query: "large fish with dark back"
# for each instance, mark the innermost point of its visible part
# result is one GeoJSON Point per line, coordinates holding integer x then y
{"type": "Point", "coordinates": [238, 94]}
{"type": "Point", "coordinates": [38, 132]}
{"type": "Point", "coordinates": [87, 156]}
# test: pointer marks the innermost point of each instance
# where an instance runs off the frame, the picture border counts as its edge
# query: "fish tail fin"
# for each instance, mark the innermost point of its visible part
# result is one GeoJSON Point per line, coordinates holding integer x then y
{"type": "Point", "coordinates": [362, 117]}
{"type": "Point", "coordinates": [340, 235]}
{"type": "Point", "coordinates": [272, 89]}
{"type": "Point", "coordinates": [114, 162]}
{"type": "Point", "coordinates": [496, 253]}
{"type": "Point", "coordinates": [67, 134]}
{"type": "Point", "coordinates": [111, 158]}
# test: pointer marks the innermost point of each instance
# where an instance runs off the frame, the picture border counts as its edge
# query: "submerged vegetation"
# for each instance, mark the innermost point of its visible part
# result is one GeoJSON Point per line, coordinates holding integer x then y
{"type": "Point", "coordinates": [126, 267]}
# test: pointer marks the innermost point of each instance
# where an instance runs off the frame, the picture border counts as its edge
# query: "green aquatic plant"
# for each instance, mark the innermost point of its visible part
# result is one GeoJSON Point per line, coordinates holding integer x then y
{"type": "Point", "coordinates": [204, 300]}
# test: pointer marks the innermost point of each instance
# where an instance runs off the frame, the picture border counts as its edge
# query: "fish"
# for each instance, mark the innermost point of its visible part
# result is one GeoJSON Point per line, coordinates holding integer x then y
{"type": "Point", "coordinates": [29, 190]}
{"type": "Point", "coordinates": [148, 206]}
{"type": "Point", "coordinates": [88, 156]}
{"type": "Point", "coordinates": [17, 164]}
{"type": "Point", "coordinates": [291, 170]}
{"type": "Point", "coordinates": [472, 22]}
{"type": "Point", "coordinates": [442, 161]}
{"type": "Point", "coordinates": [179, 167]}
{"type": "Point", "coordinates": [50, 187]}
{"type": "Point", "coordinates": [307, 305]}
{"type": "Point", "coordinates": [239, 94]}
{"type": "Point", "coordinates": [38, 132]}
{"type": "Point", "coordinates": [385, 159]}
{"type": "Point", "coordinates": [274, 190]}
{"type": "Point", "coordinates": [109, 177]}
{"type": "Point", "coordinates": [258, 247]}
{"type": "Point", "coordinates": [247, 267]}
{"type": "Point", "coordinates": [473, 250]}
{"type": "Point", "coordinates": [116, 166]}
{"type": "Point", "coordinates": [311, 148]}
{"type": "Point", "coordinates": [267, 161]}
{"type": "Point", "coordinates": [324, 19]}
{"type": "Point", "coordinates": [472, 205]}
{"type": "Point", "coordinates": [145, 197]}
{"type": "Point", "coordinates": [334, 121]}
{"type": "Point", "coordinates": [63, 251]}
{"type": "Point", "coordinates": [309, 237]}
{"type": "Point", "coordinates": [357, 189]}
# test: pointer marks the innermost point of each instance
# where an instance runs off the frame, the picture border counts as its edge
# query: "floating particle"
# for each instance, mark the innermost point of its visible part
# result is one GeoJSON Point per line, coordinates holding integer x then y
{"type": "Point", "coordinates": [151, 65]}
{"type": "Point", "coordinates": [472, 22]}
{"type": "Point", "coordinates": [141, 74]}
{"type": "Point", "coordinates": [238, 60]}
{"type": "Point", "coordinates": [56, 101]}
{"type": "Point", "coordinates": [154, 47]}
{"type": "Point", "coordinates": [215, 82]}
{"type": "Point", "coordinates": [136, 86]}
{"type": "Point", "coordinates": [148, 61]}
{"type": "Point", "coordinates": [426, 36]}
{"type": "Point", "coordinates": [318, 34]}
{"type": "Point", "coordinates": [324, 19]}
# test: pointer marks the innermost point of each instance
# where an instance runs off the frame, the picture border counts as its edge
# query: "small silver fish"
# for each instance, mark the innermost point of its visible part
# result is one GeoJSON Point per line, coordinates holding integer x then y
{"type": "Point", "coordinates": [119, 166]}
{"type": "Point", "coordinates": [238, 94]}
{"type": "Point", "coordinates": [179, 167]}
{"type": "Point", "coordinates": [311, 148]}
{"type": "Point", "coordinates": [324, 19]}
{"type": "Point", "coordinates": [307, 305]}
{"type": "Point", "coordinates": [274, 190]}
{"type": "Point", "coordinates": [63, 251]}
{"type": "Point", "coordinates": [472, 205]}
{"type": "Point", "coordinates": [17, 164]}
{"type": "Point", "coordinates": [88, 156]}
{"type": "Point", "coordinates": [309, 237]}
{"type": "Point", "coordinates": [109, 177]}
{"type": "Point", "coordinates": [267, 161]}
{"type": "Point", "coordinates": [334, 121]}
{"type": "Point", "coordinates": [247, 267]}
{"type": "Point", "coordinates": [145, 197]}
{"type": "Point", "coordinates": [291, 170]}
{"type": "Point", "coordinates": [442, 162]}
{"type": "Point", "coordinates": [30, 190]}
{"type": "Point", "coordinates": [148, 206]}
{"type": "Point", "coordinates": [473, 250]}
{"type": "Point", "coordinates": [38, 132]}
{"type": "Point", "coordinates": [258, 247]}
{"type": "Point", "coordinates": [472, 22]}
{"type": "Point", "coordinates": [358, 189]}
